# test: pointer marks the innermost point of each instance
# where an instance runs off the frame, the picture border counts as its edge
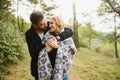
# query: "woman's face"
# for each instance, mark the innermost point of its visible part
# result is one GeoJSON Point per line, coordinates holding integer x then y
{"type": "Point", "coordinates": [53, 27]}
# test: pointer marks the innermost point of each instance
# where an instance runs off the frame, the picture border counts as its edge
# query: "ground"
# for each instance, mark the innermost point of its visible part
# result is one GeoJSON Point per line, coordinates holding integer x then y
{"type": "Point", "coordinates": [87, 65]}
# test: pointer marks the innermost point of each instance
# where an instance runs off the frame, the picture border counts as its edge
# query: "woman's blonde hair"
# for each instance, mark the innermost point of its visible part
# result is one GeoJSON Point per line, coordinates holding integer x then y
{"type": "Point", "coordinates": [59, 21]}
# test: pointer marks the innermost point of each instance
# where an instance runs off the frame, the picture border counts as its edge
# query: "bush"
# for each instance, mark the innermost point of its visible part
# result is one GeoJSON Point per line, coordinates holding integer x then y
{"type": "Point", "coordinates": [97, 49]}
{"type": "Point", "coordinates": [11, 45]}
{"type": "Point", "coordinates": [83, 44]}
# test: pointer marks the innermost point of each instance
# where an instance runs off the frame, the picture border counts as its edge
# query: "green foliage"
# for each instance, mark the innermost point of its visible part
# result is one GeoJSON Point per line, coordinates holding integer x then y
{"type": "Point", "coordinates": [11, 45]}
{"type": "Point", "coordinates": [5, 10]}
{"type": "Point", "coordinates": [83, 44]}
{"type": "Point", "coordinates": [33, 1]}
{"type": "Point", "coordinates": [87, 34]}
{"type": "Point", "coordinates": [110, 37]}
{"type": "Point", "coordinates": [45, 7]}
{"type": "Point", "coordinates": [88, 31]}
{"type": "Point", "coordinates": [97, 49]}
{"type": "Point", "coordinates": [23, 25]}
{"type": "Point", "coordinates": [11, 39]}
{"type": "Point", "coordinates": [105, 8]}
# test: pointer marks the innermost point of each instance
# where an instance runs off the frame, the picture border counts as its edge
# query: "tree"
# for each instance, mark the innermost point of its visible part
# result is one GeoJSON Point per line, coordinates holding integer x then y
{"type": "Point", "coordinates": [45, 8]}
{"type": "Point", "coordinates": [18, 21]}
{"type": "Point", "coordinates": [11, 40]}
{"type": "Point", "coordinates": [89, 33]}
{"type": "Point", "coordinates": [115, 9]}
{"type": "Point", "coordinates": [33, 2]}
{"type": "Point", "coordinates": [5, 10]}
{"type": "Point", "coordinates": [75, 25]}
{"type": "Point", "coordinates": [105, 8]}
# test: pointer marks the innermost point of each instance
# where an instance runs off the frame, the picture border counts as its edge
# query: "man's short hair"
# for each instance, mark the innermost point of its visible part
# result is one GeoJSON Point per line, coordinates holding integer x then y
{"type": "Point", "coordinates": [36, 16]}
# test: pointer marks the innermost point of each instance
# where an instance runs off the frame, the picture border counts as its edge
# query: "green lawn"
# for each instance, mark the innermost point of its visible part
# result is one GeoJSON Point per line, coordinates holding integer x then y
{"type": "Point", "coordinates": [87, 65]}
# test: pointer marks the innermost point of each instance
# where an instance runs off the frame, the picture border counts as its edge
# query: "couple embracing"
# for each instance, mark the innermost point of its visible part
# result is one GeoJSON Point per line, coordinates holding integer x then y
{"type": "Point", "coordinates": [50, 46]}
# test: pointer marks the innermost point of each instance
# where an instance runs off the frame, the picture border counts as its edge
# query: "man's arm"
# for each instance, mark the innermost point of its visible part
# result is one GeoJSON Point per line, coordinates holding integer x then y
{"type": "Point", "coordinates": [31, 46]}
{"type": "Point", "coordinates": [65, 34]}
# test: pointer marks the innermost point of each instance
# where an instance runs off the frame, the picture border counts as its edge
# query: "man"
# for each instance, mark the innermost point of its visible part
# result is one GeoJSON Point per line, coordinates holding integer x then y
{"type": "Point", "coordinates": [34, 38]}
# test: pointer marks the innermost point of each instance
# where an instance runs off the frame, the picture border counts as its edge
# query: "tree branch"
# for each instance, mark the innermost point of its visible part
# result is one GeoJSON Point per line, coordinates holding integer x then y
{"type": "Point", "coordinates": [113, 7]}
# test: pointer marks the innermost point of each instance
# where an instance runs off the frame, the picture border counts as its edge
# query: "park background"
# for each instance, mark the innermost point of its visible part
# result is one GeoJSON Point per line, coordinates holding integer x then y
{"type": "Point", "coordinates": [96, 26]}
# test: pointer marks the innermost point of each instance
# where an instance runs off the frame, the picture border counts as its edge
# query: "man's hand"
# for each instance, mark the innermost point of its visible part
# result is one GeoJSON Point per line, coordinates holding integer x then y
{"type": "Point", "coordinates": [53, 42]}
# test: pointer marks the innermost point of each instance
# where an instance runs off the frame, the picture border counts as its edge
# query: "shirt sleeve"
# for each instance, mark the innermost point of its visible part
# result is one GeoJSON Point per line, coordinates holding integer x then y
{"type": "Point", "coordinates": [65, 34]}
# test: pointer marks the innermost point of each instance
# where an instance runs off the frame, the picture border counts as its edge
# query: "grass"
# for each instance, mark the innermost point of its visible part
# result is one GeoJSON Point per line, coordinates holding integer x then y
{"type": "Point", "coordinates": [87, 65]}
{"type": "Point", "coordinates": [21, 70]}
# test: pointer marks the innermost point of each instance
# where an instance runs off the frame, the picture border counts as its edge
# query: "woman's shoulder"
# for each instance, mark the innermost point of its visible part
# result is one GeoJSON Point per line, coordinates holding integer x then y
{"type": "Point", "coordinates": [68, 40]}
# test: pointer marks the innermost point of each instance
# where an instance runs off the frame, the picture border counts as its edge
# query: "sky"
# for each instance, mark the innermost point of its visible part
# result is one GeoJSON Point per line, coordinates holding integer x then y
{"type": "Point", "coordinates": [65, 10]}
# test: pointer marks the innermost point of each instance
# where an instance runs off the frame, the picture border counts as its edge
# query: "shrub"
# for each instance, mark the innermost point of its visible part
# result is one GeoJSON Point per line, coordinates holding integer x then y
{"type": "Point", "coordinates": [11, 45]}
{"type": "Point", "coordinates": [97, 49]}
{"type": "Point", "coordinates": [83, 44]}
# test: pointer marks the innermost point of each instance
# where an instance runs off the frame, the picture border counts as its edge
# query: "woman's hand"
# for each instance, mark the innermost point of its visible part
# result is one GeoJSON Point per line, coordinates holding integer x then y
{"type": "Point", "coordinates": [52, 42]}
{"type": "Point", "coordinates": [48, 47]}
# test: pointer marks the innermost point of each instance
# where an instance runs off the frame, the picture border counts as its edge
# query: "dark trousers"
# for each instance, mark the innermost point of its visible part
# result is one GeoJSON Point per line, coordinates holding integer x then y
{"type": "Point", "coordinates": [36, 78]}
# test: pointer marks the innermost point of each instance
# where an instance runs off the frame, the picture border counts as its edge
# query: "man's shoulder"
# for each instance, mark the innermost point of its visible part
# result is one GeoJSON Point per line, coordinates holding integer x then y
{"type": "Point", "coordinates": [28, 32]}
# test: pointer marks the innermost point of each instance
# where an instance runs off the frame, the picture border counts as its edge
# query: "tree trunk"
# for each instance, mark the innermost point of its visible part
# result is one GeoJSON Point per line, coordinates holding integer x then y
{"type": "Point", "coordinates": [75, 25]}
{"type": "Point", "coordinates": [77, 37]}
{"type": "Point", "coordinates": [18, 23]}
{"type": "Point", "coordinates": [89, 43]}
{"type": "Point", "coordinates": [18, 16]}
{"type": "Point", "coordinates": [22, 25]}
{"type": "Point", "coordinates": [116, 50]}
{"type": "Point", "coordinates": [115, 37]}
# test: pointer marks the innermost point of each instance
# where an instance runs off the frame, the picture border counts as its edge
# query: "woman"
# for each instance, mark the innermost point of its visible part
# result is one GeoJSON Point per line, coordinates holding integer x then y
{"type": "Point", "coordinates": [54, 63]}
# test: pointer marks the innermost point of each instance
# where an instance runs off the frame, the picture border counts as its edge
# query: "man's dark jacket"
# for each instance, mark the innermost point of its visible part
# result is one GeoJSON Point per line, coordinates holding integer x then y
{"type": "Point", "coordinates": [35, 45]}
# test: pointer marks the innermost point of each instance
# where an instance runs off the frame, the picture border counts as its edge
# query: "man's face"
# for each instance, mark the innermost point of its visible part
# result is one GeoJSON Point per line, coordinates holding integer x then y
{"type": "Point", "coordinates": [42, 25]}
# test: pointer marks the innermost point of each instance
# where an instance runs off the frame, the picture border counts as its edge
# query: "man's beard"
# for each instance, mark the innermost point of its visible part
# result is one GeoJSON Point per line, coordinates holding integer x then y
{"type": "Point", "coordinates": [41, 29]}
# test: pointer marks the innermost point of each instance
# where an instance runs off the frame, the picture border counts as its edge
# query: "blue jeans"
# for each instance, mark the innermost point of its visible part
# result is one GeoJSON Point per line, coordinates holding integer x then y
{"type": "Point", "coordinates": [66, 77]}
